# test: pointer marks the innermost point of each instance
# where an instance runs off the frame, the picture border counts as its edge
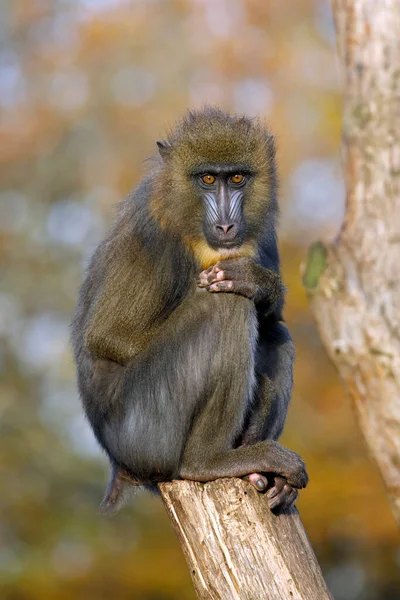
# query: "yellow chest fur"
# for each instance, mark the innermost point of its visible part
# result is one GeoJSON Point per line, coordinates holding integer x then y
{"type": "Point", "coordinates": [207, 256]}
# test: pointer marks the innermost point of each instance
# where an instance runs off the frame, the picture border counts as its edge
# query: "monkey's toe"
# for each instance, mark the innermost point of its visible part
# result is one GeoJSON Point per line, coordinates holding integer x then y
{"type": "Point", "coordinates": [259, 482]}
{"type": "Point", "coordinates": [281, 495]}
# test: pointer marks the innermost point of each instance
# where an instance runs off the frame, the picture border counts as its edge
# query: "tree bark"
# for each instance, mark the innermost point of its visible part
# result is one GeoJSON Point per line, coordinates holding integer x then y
{"type": "Point", "coordinates": [236, 548]}
{"type": "Point", "coordinates": [354, 284]}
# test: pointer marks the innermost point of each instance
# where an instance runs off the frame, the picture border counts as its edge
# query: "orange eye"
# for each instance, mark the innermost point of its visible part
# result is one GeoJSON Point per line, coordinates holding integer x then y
{"type": "Point", "coordinates": [237, 178]}
{"type": "Point", "coordinates": [208, 179]}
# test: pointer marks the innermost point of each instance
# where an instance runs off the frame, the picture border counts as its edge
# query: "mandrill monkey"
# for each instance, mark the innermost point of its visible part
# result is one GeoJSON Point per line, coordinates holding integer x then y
{"type": "Point", "coordinates": [184, 363]}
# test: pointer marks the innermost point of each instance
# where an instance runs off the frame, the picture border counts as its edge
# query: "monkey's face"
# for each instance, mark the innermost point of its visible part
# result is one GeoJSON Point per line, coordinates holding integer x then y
{"type": "Point", "coordinates": [216, 185]}
{"type": "Point", "coordinates": [222, 191]}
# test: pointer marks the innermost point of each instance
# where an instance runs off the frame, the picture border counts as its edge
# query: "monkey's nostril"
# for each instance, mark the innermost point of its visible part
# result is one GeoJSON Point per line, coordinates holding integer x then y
{"type": "Point", "coordinates": [225, 228]}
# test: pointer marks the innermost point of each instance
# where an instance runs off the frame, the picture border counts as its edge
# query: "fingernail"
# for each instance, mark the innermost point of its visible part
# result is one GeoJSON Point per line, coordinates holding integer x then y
{"type": "Point", "coordinates": [260, 484]}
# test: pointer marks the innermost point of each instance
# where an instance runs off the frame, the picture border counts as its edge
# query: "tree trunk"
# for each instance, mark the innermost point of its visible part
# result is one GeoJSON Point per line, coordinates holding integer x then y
{"type": "Point", "coordinates": [236, 548]}
{"type": "Point", "coordinates": [354, 284]}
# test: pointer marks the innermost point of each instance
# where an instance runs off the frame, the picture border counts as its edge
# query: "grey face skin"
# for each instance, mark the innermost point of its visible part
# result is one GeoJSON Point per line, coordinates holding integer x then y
{"type": "Point", "coordinates": [186, 371]}
{"type": "Point", "coordinates": [222, 190]}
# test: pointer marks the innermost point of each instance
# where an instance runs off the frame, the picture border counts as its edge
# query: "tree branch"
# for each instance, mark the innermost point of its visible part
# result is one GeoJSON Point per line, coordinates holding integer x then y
{"type": "Point", "coordinates": [354, 285]}
{"type": "Point", "coordinates": [236, 548]}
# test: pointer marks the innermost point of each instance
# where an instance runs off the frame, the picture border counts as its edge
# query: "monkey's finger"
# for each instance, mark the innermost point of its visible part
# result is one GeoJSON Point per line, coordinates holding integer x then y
{"type": "Point", "coordinates": [215, 276]}
{"type": "Point", "coordinates": [207, 276]}
{"type": "Point", "coordinates": [238, 287]}
{"type": "Point", "coordinates": [206, 272]}
{"type": "Point", "coordinates": [202, 280]}
{"type": "Point", "coordinates": [221, 286]}
{"type": "Point", "coordinates": [221, 272]}
{"type": "Point", "coordinates": [259, 482]}
{"type": "Point", "coordinates": [210, 276]}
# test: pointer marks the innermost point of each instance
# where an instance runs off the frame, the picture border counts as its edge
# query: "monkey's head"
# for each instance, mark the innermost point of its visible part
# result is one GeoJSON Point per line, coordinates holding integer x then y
{"type": "Point", "coordinates": [217, 183]}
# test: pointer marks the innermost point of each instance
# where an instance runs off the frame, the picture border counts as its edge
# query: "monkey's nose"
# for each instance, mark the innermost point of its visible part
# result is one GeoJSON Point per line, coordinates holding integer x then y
{"type": "Point", "coordinates": [225, 228]}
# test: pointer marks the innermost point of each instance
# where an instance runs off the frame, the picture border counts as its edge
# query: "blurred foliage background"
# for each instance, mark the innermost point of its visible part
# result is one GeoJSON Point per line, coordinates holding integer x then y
{"type": "Point", "coordinates": [86, 87]}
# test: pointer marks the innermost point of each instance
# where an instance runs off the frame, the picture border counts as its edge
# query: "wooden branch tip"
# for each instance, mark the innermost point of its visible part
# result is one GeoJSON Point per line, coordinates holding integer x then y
{"type": "Point", "coordinates": [236, 548]}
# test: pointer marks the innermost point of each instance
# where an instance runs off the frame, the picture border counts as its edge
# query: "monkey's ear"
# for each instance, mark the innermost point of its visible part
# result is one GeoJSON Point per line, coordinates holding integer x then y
{"type": "Point", "coordinates": [164, 149]}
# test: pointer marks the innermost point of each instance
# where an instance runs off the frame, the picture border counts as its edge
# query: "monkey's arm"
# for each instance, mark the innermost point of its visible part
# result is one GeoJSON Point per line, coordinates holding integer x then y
{"type": "Point", "coordinates": [275, 359]}
{"type": "Point", "coordinates": [129, 297]}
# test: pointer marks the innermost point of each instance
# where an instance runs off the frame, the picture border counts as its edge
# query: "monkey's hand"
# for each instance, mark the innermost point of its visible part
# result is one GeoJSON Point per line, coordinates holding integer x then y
{"type": "Point", "coordinates": [245, 277]}
{"type": "Point", "coordinates": [280, 493]}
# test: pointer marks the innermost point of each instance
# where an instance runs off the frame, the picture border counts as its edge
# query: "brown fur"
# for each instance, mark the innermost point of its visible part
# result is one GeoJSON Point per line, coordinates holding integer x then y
{"type": "Point", "coordinates": [172, 377]}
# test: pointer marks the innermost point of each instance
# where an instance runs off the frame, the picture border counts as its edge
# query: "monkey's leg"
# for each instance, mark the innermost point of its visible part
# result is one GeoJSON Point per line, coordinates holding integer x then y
{"type": "Point", "coordinates": [214, 460]}
{"type": "Point", "coordinates": [146, 407]}
{"type": "Point", "coordinates": [274, 367]}
{"type": "Point", "coordinates": [210, 452]}
{"type": "Point", "coordinates": [275, 360]}
{"type": "Point", "coordinates": [275, 356]}
{"type": "Point", "coordinates": [145, 430]}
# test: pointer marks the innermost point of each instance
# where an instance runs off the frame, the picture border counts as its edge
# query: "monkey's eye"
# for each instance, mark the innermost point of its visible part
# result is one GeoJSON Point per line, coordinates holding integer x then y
{"type": "Point", "coordinates": [208, 179]}
{"type": "Point", "coordinates": [237, 178]}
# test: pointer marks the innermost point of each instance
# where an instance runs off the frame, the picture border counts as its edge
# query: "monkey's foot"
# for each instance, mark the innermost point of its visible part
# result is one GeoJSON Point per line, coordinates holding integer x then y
{"type": "Point", "coordinates": [259, 482]}
{"type": "Point", "coordinates": [280, 496]}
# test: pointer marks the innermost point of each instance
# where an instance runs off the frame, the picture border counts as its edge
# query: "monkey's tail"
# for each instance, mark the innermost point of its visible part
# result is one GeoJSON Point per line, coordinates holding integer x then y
{"type": "Point", "coordinates": [121, 488]}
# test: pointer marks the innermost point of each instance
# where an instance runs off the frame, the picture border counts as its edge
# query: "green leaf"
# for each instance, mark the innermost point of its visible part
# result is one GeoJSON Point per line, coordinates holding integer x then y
{"type": "Point", "coordinates": [315, 265]}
